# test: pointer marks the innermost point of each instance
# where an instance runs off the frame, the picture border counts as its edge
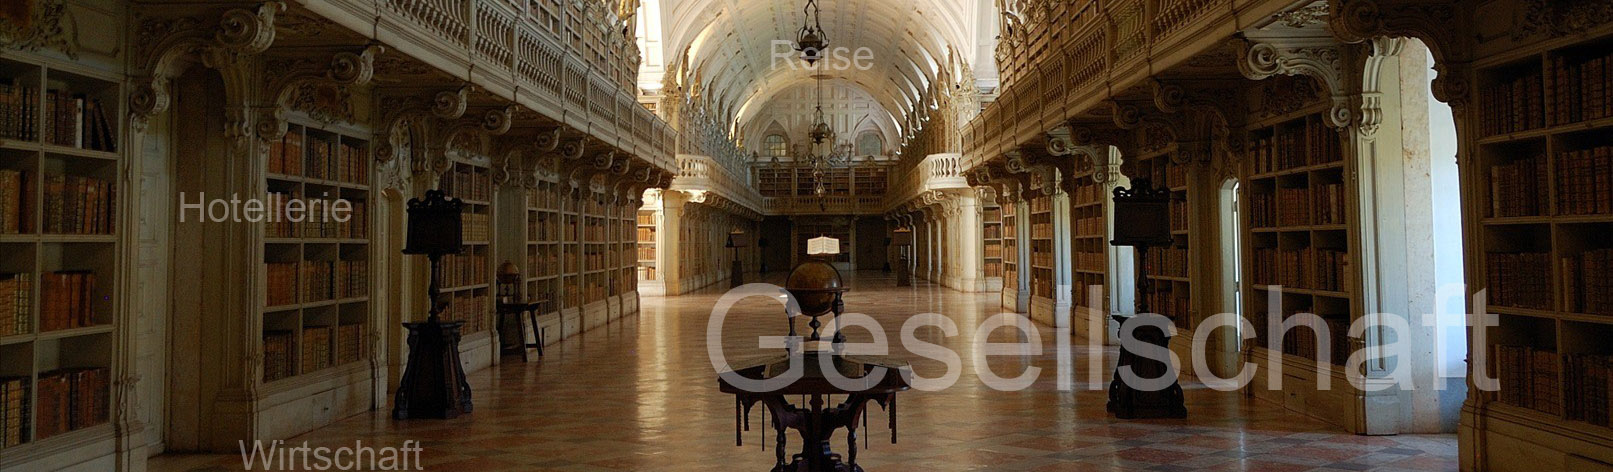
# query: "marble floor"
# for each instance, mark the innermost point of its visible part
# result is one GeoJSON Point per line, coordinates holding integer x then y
{"type": "Point", "coordinates": [640, 394]}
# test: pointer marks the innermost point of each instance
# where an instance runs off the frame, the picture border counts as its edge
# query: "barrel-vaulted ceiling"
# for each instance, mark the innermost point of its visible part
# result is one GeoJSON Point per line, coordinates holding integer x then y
{"type": "Point", "coordinates": [730, 44]}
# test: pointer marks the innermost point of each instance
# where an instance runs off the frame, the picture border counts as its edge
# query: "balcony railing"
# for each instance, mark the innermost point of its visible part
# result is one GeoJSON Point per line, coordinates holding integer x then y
{"type": "Point", "coordinates": [1067, 56]}
{"type": "Point", "coordinates": [829, 205]}
{"type": "Point", "coordinates": [570, 60]}
{"type": "Point", "coordinates": [703, 174]}
{"type": "Point", "coordinates": [937, 172]}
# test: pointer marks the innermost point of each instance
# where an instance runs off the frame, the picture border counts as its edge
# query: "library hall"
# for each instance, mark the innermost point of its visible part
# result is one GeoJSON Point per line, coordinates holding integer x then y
{"type": "Point", "coordinates": [806, 235]}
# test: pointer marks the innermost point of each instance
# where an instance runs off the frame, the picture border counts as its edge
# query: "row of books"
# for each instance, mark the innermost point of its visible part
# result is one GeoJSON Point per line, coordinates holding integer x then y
{"type": "Point", "coordinates": [319, 158]}
{"type": "Point", "coordinates": [79, 205]}
{"type": "Point", "coordinates": [544, 262]}
{"type": "Point", "coordinates": [1587, 285]}
{"type": "Point", "coordinates": [460, 270]}
{"type": "Point", "coordinates": [16, 307]}
{"type": "Point", "coordinates": [67, 300]}
{"type": "Point", "coordinates": [544, 198]}
{"type": "Point", "coordinates": [991, 230]}
{"type": "Point", "coordinates": [1167, 174]}
{"type": "Point", "coordinates": [993, 269]}
{"type": "Point", "coordinates": [475, 227]}
{"type": "Point", "coordinates": [1042, 230]}
{"type": "Point", "coordinates": [14, 202]}
{"type": "Point", "coordinates": [316, 348]}
{"type": "Point", "coordinates": [1587, 388]}
{"type": "Point", "coordinates": [1581, 89]}
{"type": "Point", "coordinates": [468, 183]}
{"type": "Point", "coordinates": [72, 399]}
{"type": "Point", "coordinates": [1091, 260]}
{"type": "Point", "coordinates": [317, 351]}
{"type": "Point", "coordinates": [543, 227]}
{"type": "Point", "coordinates": [1529, 378]}
{"type": "Point", "coordinates": [1585, 182]}
{"type": "Point", "coordinates": [278, 360]}
{"type": "Point", "coordinates": [1041, 205]}
{"type": "Point", "coordinates": [1512, 105]}
{"type": "Point", "coordinates": [290, 283]}
{"type": "Point", "coordinates": [1178, 212]}
{"type": "Point", "coordinates": [1518, 188]}
{"type": "Point", "coordinates": [1519, 279]}
{"type": "Point", "coordinates": [71, 119]}
{"type": "Point", "coordinates": [647, 272]}
{"type": "Point", "coordinates": [1285, 149]}
{"type": "Point", "coordinates": [14, 418]}
{"type": "Point", "coordinates": [317, 224]}
{"type": "Point", "coordinates": [1308, 268]}
{"type": "Point", "coordinates": [994, 251]}
{"type": "Point", "coordinates": [1303, 341]}
{"type": "Point", "coordinates": [1091, 225]}
{"type": "Point", "coordinates": [471, 309]}
{"type": "Point", "coordinates": [1088, 192]}
{"type": "Point", "coordinates": [1166, 300]}
{"type": "Point", "coordinates": [991, 215]}
{"type": "Point", "coordinates": [1042, 283]}
{"type": "Point", "coordinates": [1168, 261]}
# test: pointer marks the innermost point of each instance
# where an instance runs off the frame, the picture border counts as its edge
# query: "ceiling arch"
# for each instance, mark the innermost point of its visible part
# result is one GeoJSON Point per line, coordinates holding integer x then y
{"type": "Point", "coordinates": [729, 45]}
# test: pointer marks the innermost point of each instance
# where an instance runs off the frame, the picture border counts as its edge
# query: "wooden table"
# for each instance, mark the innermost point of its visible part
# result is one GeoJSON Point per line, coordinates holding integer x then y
{"type": "Point", "coordinates": [815, 421]}
{"type": "Point", "coordinates": [529, 308]}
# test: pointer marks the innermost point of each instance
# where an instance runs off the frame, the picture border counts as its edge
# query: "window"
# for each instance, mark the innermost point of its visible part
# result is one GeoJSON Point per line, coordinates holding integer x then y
{"type": "Point", "coordinates": [776, 146]}
{"type": "Point", "coordinates": [869, 144]}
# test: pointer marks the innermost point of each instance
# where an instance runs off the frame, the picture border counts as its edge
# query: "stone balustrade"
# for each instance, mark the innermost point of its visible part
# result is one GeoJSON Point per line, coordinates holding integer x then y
{"type": "Point", "coordinates": [573, 61]}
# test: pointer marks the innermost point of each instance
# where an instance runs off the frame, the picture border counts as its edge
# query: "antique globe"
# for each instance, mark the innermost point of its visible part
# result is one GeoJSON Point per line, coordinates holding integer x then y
{"type": "Point", "coordinates": [815, 285]}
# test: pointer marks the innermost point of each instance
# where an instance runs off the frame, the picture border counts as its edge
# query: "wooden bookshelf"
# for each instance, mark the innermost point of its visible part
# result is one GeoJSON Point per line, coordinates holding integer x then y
{"type": "Point", "coordinates": [1089, 229]}
{"type": "Point", "coordinates": [871, 180]}
{"type": "Point", "coordinates": [991, 233]}
{"type": "Point", "coordinates": [59, 256]}
{"type": "Point", "coordinates": [775, 181]}
{"type": "Point", "coordinates": [543, 239]}
{"type": "Point", "coordinates": [467, 277]}
{"type": "Point", "coordinates": [1544, 182]}
{"type": "Point", "coordinates": [1010, 242]}
{"type": "Point", "coordinates": [316, 273]}
{"type": "Point", "coordinates": [1171, 293]}
{"type": "Point", "coordinates": [1044, 259]}
{"type": "Point", "coordinates": [645, 235]}
{"type": "Point", "coordinates": [1297, 221]}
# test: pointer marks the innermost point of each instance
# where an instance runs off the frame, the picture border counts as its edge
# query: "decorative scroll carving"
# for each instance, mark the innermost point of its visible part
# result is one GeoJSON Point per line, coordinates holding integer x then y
{"type": "Point", "coordinates": [164, 46]}
{"type": "Point", "coordinates": [46, 26]}
{"type": "Point", "coordinates": [1435, 23]}
{"type": "Point", "coordinates": [450, 104]}
{"type": "Point", "coordinates": [1301, 17]}
{"type": "Point", "coordinates": [1320, 58]}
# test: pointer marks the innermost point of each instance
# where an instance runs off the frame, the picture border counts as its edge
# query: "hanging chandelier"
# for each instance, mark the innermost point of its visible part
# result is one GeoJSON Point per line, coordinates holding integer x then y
{"type": "Point", "coordinates": [811, 40]}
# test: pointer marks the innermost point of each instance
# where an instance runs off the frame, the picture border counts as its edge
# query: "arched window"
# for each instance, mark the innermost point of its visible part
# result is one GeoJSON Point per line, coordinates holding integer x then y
{"type": "Point", "coordinates": [776, 146]}
{"type": "Point", "coordinates": [869, 144]}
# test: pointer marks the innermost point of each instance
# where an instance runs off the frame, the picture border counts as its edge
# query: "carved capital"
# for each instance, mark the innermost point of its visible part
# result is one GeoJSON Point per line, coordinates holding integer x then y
{"type": "Point", "coordinates": [1319, 58]}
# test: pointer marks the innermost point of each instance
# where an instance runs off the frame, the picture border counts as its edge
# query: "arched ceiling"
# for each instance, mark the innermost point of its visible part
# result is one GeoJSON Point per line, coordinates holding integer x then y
{"type": "Point", "coordinates": [728, 44]}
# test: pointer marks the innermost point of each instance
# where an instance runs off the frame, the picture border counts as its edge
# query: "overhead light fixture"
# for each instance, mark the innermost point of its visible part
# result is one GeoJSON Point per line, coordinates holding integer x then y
{"type": "Point", "coordinates": [811, 41]}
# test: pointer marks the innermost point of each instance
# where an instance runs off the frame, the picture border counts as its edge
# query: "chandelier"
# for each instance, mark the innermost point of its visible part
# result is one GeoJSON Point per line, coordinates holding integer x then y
{"type": "Point", "coordinates": [811, 40]}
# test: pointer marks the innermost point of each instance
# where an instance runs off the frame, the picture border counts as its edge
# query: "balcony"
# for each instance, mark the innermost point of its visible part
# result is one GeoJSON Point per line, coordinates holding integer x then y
{"type": "Point", "coordinates": [568, 60]}
{"type": "Point", "coordinates": [704, 174]}
{"type": "Point", "coordinates": [938, 172]}
{"type": "Point", "coordinates": [1068, 57]}
{"type": "Point", "coordinates": [826, 205]}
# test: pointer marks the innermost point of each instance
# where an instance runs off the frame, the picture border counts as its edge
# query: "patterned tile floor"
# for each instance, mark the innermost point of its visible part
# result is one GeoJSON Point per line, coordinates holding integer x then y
{"type": "Point", "coordinates": [640, 394]}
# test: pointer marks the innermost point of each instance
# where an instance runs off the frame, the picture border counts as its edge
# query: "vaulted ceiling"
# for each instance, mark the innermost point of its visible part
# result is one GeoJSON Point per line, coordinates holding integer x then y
{"type": "Point", "coordinates": [730, 45]}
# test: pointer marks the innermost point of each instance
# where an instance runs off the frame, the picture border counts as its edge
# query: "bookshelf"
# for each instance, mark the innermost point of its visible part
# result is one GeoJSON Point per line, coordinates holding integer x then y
{"type": "Point", "coordinates": [1171, 293]}
{"type": "Point", "coordinates": [543, 239]}
{"type": "Point", "coordinates": [870, 181]}
{"type": "Point", "coordinates": [991, 233]}
{"type": "Point", "coordinates": [1299, 244]}
{"type": "Point", "coordinates": [1090, 243]}
{"type": "Point", "coordinates": [1010, 242]}
{"type": "Point", "coordinates": [467, 277]}
{"type": "Point", "coordinates": [59, 255]}
{"type": "Point", "coordinates": [775, 181]}
{"type": "Point", "coordinates": [315, 273]}
{"type": "Point", "coordinates": [645, 237]}
{"type": "Point", "coordinates": [1544, 182]}
{"type": "Point", "coordinates": [1043, 257]}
